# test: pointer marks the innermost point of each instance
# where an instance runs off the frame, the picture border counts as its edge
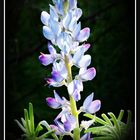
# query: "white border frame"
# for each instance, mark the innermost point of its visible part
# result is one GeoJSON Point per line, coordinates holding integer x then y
{"type": "Point", "coordinates": [135, 70]}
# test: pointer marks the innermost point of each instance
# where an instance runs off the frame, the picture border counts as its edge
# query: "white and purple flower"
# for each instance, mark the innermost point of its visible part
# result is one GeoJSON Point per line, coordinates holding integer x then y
{"type": "Point", "coordinates": [90, 106]}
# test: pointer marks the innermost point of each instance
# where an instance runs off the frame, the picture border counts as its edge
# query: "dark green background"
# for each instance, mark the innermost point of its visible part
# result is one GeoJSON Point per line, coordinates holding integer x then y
{"type": "Point", "coordinates": [112, 40]}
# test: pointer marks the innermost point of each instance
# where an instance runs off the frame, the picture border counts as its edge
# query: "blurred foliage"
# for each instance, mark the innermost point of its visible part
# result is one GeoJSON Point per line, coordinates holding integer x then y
{"type": "Point", "coordinates": [112, 40]}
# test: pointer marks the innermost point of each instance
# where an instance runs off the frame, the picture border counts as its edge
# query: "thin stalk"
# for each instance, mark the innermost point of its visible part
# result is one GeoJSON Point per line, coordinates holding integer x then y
{"type": "Point", "coordinates": [76, 131]}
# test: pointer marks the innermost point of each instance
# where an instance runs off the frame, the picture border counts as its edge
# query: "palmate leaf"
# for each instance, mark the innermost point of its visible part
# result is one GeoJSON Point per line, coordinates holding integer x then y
{"type": "Point", "coordinates": [111, 127]}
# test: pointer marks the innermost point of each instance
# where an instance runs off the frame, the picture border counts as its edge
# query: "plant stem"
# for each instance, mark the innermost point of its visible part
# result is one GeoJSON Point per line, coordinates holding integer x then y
{"type": "Point", "coordinates": [76, 131]}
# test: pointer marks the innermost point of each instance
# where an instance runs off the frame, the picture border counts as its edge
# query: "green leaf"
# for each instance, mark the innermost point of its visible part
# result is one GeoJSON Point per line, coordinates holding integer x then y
{"type": "Point", "coordinates": [100, 130]}
{"type": "Point", "coordinates": [46, 134]}
{"type": "Point", "coordinates": [114, 119]}
{"type": "Point", "coordinates": [107, 119]}
{"type": "Point", "coordinates": [100, 121]}
{"type": "Point", "coordinates": [89, 116]}
{"type": "Point", "coordinates": [103, 138]}
{"type": "Point", "coordinates": [129, 118]}
{"type": "Point", "coordinates": [121, 115]}
{"type": "Point", "coordinates": [31, 115]}
{"type": "Point", "coordinates": [21, 126]}
{"type": "Point", "coordinates": [26, 120]}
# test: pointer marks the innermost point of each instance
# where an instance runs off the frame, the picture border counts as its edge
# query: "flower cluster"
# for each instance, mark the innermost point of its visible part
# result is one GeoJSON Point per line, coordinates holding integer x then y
{"type": "Point", "coordinates": [63, 30]}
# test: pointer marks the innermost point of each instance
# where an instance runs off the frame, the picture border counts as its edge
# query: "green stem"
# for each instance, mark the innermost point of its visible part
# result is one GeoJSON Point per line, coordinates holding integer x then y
{"type": "Point", "coordinates": [76, 131]}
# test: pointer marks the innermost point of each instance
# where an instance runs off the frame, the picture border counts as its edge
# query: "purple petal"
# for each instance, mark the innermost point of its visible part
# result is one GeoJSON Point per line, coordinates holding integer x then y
{"type": "Point", "coordinates": [67, 126]}
{"type": "Point", "coordinates": [57, 76]}
{"type": "Point", "coordinates": [52, 103]}
{"type": "Point", "coordinates": [86, 47]}
{"type": "Point", "coordinates": [76, 95]}
{"type": "Point", "coordinates": [45, 59]}
{"type": "Point", "coordinates": [60, 126]}
{"type": "Point", "coordinates": [53, 83]}
{"type": "Point", "coordinates": [88, 101]}
{"type": "Point", "coordinates": [88, 75]}
{"type": "Point", "coordinates": [45, 17]}
{"type": "Point", "coordinates": [94, 106]}
{"type": "Point", "coordinates": [47, 32]}
{"type": "Point", "coordinates": [78, 85]}
{"type": "Point", "coordinates": [83, 35]}
{"type": "Point", "coordinates": [85, 61]}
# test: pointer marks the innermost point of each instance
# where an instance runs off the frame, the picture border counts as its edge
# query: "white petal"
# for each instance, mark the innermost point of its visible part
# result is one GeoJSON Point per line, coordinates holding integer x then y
{"type": "Point", "coordinates": [53, 13]}
{"type": "Point", "coordinates": [67, 20]}
{"type": "Point", "coordinates": [55, 27]}
{"type": "Point", "coordinates": [83, 35]}
{"type": "Point", "coordinates": [77, 13]}
{"type": "Point", "coordinates": [78, 55]}
{"type": "Point", "coordinates": [88, 101]}
{"type": "Point", "coordinates": [71, 88]}
{"type": "Point", "coordinates": [85, 61]}
{"type": "Point", "coordinates": [72, 24]}
{"type": "Point", "coordinates": [88, 74]}
{"type": "Point", "coordinates": [76, 31]}
{"type": "Point", "coordinates": [94, 106]}
{"type": "Point", "coordinates": [51, 49]}
{"type": "Point", "coordinates": [47, 32]}
{"type": "Point", "coordinates": [45, 17]}
{"type": "Point", "coordinates": [57, 97]}
{"type": "Point", "coordinates": [86, 124]}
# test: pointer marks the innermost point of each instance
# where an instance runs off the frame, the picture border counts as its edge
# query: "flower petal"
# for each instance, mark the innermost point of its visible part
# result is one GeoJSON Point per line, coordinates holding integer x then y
{"type": "Point", "coordinates": [51, 49]}
{"type": "Point", "coordinates": [84, 34]}
{"type": "Point", "coordinates": [72, 24]}
{"type": "Point", "coordinates": [67, 20]}
{"type": "Point", "coordinates": [57, 97]}
{"type": "Point", "coordinates": [67, 126]}
{"type": "Point", "coordinates": [53, 13]}
{"type": "Point", "coordinates": [86, 124]}
{"type": "Point", "coordinates": [72, 4]}
{"type": "Point", "coordinates": [94, 106]}
{"type": "Point", "coordinates": [86, 137]}
{"type": "Point", "coordinates": [55, 27]}
{"type": "Point", "coordinates": [53, 83]}
{"type": "Point", "coordinates": [56, 76]}
{"type": "Point", "coordinates": [76, 94]}
{"type": "Point", "coordinates": [52, 103]}
{"type": "Point", "coordinates": [84, 61]}
{"type": "Point", "coordinates": [78, 55]}
{"type": "Point", "coordinates": [47, 32]}
{"type": "Point", "coordinates": [71, 88]}
{"type": "Point", "coordinates": [76, 31]}
{"type": "Point", "coordinates": [88, 75]}
{"type": "Point", "coordinates": [54, 127]}
{"type": "Point", "coordinates": [77, 13]}
{"type": "Point", "coordinates": [86, 47]}
{"type": "Point", "coordinates": [88, 101]}
{"type": "Point", "coordinates": [45, 59]}
{"type": "Point", "coordinates": [45, 17]}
